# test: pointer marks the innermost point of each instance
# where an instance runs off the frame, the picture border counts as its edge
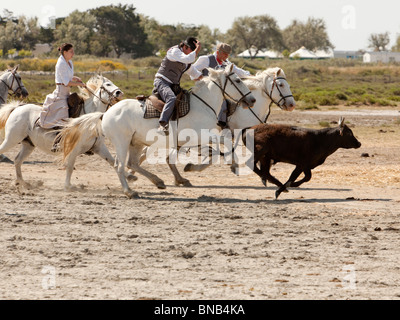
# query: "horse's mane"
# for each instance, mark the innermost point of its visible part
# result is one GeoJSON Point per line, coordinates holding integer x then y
{"type": "Point", "coordinates": [257, 81]}
{"type": "Point", "coordinates": [93, 84]}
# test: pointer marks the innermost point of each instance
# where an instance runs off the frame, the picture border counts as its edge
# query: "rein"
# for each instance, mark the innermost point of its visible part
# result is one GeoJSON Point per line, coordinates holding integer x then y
{"type": "Point", "coordinates": [224, 93]}
{"type": "Point", "coordinates": [110, 97]}
{"type": "Point", "coordinates": [272, 100]}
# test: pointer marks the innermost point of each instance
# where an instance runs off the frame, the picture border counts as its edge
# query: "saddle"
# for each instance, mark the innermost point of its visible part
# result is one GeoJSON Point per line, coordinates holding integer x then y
{"type": "Point", "coordinates": [153, 105]}
{"type": "Point", "coordinates": [75, 105]}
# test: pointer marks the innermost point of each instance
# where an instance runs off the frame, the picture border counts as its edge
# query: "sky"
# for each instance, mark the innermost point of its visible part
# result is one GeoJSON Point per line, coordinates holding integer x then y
{"type": "Point", "coordinates": [349, 22]}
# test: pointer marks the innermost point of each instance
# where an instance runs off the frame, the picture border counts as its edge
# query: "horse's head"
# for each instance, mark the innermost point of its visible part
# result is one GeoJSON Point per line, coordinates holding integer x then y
{"type": "Point", "coordinates": [111, 90]}
{"type": "Point", "coordinates": [278, 89]}
{"type": "Point", "coordinates": [13, 81]}
{"type": "Point", "coordinates": [233, 87]}
{"type": "Point", "coordinates": [103, 91]}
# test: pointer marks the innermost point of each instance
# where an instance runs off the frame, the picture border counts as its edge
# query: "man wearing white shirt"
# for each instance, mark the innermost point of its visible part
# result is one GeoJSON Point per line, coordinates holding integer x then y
{"type": "Point", "coordinates": [179, 59]}
{"type": "Point", "coordinates": [218, 60]}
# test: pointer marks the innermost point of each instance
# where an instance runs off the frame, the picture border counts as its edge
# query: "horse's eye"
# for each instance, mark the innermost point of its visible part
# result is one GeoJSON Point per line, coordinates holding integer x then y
{"type": "Point", "coordinates": [237, 81]}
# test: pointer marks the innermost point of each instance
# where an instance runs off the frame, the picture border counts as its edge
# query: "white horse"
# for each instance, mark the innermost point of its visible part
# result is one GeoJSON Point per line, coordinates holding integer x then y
{"type": "Point", "coordinates": [269, 86]}
{"type": "Point", "coordinates": [20, 123]}
{"type": "Point", "coordinates": [129, 132]}
{"type": "Point", "coordinates": [10, 84]}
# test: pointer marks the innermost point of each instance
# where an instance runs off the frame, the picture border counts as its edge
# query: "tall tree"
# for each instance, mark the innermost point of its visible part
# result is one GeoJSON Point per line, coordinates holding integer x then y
{"type": "Point", "coordinates": [20, 33]}
{"type": "Point", "coordinates": [162, 37]}
{"type": "Point", "coordinates": [312, 35]}
{"type": "Point", "coordinates": [396, 47]}
{"type": "Point", "coordinates": [120, 27]}
{"type": "Point", "coordinates": [379, 41]}
{"type": "Point", "coordinates": [259, 32]}
{"type": "Point", "coordinates": [77, 28]}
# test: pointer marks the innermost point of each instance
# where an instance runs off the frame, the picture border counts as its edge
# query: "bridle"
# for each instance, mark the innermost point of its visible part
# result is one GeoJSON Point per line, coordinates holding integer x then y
{"type": "Point", "coordinates": [111, 99]}
{"type": "Point", "coordinates": [282, 97]}
{"type": "Point", "coordinates": [16, 91]}
{"type": "Point", "coordinates": [224, 93]}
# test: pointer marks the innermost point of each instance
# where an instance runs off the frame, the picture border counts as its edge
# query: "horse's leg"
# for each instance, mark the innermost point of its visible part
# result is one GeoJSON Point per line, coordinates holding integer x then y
{"type": "Point", "coordinates": [122, 147]}
{"type": "Point", "coordinates": [135, 157]}
{"type": "Point", "coordinates": [295, 174]}
{"type": "Point", "coordinates": [179, 180]}
{"type": "Point", "coordinates": [26, 150]}
{"type": "Point", "coordinates": [142, 157]}
{"type": "Point", "coordinates": [101, 150]}
{"type": "Point", "coordinates": [11, 140]}
{"type": "Point", "coordinates": [191, 167]}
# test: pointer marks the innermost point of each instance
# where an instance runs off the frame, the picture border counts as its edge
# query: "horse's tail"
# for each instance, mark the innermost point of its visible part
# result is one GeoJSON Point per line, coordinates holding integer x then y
{"type": "Point", "coordinates": [87, 126]}
{"type": "Point", "coordinates": [5, 112]}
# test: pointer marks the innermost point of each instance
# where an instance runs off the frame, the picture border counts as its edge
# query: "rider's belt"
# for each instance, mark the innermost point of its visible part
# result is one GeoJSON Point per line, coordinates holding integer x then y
{"type": "Point", "coordinates": [60, 84]}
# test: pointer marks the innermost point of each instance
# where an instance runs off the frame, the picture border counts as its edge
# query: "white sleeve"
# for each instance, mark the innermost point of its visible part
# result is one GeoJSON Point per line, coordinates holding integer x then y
{"type": "Point", "coordinates": [198, 67]}
{"type": "Point", "coordinates": [240, 72]}
{"type": "Point", "coordinates": [175, 54]}
{"type": "Point", "coordinates": [193, 72]}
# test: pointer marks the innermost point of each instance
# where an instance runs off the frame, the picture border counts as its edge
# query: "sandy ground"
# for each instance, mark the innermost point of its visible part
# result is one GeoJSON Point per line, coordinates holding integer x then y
{"type": "Point", "coordinates": [336, 237]}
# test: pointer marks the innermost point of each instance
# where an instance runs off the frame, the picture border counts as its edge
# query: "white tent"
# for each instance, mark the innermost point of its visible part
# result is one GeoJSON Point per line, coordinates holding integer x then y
{"type": "Point", "coordinates": [325, 54]}
{"type": "Point", "coordinates": [271, 54]}
{"type": "Point", "coordinates": [260, 54]}
{"type": "Point", "coordinates": [248, 53]}
{"type": "Point", "coordinates": [303, 53]}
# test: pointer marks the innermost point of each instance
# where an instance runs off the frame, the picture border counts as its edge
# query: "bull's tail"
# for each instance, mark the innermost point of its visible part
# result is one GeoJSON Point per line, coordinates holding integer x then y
{"type": "Point", "coordinates": [5, 111]}
{"type": "Point", "coordinates": [85, 127]}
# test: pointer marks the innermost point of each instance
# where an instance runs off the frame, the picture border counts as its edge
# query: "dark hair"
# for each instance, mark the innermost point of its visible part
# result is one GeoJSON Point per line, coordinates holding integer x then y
{"type": "Point", "coordinates": [189, 42]}
{"type": "Point", "coordinates": [65, 47]}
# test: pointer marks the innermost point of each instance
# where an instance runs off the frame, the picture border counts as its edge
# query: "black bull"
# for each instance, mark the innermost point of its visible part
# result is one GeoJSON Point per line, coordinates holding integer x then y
{"type": "Point", "coordinates": [302, 147]}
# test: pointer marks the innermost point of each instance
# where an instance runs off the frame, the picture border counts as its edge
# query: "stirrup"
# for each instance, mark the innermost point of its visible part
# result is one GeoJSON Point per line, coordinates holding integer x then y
{"type": "Point", "coordinates": [164, 127]}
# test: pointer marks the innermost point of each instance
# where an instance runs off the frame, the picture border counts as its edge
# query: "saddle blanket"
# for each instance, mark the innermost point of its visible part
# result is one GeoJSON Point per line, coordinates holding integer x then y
{"type": "Point", "coordinates": [182, 104]}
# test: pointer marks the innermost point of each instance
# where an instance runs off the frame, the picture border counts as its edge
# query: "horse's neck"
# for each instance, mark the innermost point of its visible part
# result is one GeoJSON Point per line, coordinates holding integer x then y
{"type": "Point", "coordinates": [93, 104]}
{"type": "Point", "coordinates": [212, 95]}
{"type": "Point", "coordinates": [3, 89]}
{"type": "Point", "coordinates": [260, 108]}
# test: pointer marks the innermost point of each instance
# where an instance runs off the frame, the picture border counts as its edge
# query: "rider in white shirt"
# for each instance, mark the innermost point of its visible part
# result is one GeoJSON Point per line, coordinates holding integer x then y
{"type": "Point", "coordinates": [218, 60]}
{"type": "Point", "coordinates": [179, 59]}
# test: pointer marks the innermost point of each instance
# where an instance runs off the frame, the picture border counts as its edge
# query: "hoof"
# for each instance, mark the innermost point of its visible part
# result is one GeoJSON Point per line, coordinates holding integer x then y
{"type": "Point", "coordinates": [185, 183]}
{"type": "Point", "coordinates": [4, 159]}
{"type": "Point", "coordinates": [131, 178]}
{"type": "Point", "coordinates": [264, 182]}
{"type": "Point", "coordinates": [234, 169]}
{"type": "Point", "coordinates": [23, 184]}
{"type": "Point", "coordinates": [132, 194]}
{"type": "Point", "coordinates": [70, 188]}
{"type": "Point", "coordinates": [161, 185]}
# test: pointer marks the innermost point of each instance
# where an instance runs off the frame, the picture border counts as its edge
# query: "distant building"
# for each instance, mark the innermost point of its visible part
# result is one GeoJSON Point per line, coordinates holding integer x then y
{"type": "Point", "coordinates": [381, 56]}
{"type": "Point", "coordinates": [347, 54]}
{"type": "Point", "coordinates": [40, 49]}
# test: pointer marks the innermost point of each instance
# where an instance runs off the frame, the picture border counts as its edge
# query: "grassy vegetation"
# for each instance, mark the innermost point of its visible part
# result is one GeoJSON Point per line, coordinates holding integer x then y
{"type": "Point", "coordinates": [314, 83]}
